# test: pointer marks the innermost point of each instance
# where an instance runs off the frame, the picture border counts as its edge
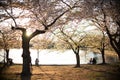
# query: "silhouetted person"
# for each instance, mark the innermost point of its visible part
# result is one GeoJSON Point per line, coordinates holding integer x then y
{"type": "Point", "coordinates": [36, 62]}
{"type": "Point", "coordinates": [10, 61]}
{"type": "Point", "coordinates": [94, 61]}
{"type": "Point", "coordinates": [91, 61]}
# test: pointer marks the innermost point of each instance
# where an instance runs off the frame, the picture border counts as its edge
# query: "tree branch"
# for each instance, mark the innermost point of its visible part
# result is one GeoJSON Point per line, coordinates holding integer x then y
{"type": "Point", "coordinates": [18, 28]}
{"type": "Point", "coordinates": [49, 25]}
{"type": "Point", "coordinates": [10, 15]}
{"type": "Point", "coordinates": [36, 33]}
{"type": "Point", "coordinates": [66, 4]}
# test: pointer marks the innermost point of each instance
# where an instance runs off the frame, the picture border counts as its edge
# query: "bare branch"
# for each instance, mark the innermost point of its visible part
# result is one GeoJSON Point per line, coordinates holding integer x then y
{"type": "Point", "coordinates": [36, 33]}
{"type": "Point", "coordinates": [10, 16]}
{"type": "Point", "coordinates": [18, 28]}
{"type": "Point", "coordinates": [49, 25]}
{"type": "Point", "coordinates": [66, 4]}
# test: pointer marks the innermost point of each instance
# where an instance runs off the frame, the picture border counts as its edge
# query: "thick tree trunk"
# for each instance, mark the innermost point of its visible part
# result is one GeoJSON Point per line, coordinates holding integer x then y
{"type": "Point", "coordinates": [26, 68]}
{"type": "Point", "coordinates": [26, 63]}
{"type": "Point", "coordinates": [77, 60]}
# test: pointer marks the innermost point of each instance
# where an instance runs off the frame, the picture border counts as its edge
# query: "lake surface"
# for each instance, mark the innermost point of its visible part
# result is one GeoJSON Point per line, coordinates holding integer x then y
{"type": "Point", "coordinates": [52, 57]}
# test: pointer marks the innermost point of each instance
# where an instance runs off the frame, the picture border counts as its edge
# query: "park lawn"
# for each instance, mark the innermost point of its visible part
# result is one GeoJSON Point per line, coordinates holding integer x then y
{"type": "Point", "coordinates": [65, 72]}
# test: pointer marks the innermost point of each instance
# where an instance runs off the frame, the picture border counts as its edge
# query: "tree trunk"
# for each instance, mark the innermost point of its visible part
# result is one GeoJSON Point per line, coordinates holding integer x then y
{"type": "Point", "coordinates": [77, 60]}
{"type": "Point", "coordinates": [118, 55]}
{"type": "Point", "coordinates": [115, 40]}
{"type": "Point", "coordinates": [7, 55]}
{"type": "Point", "coordinates": [26, 68]}
{"type": "Point", "coordinates": [103, 49]}
{"type": "Point", "coordinates": [26, 63]}
{"type": "Point", "coordinates": [103, 56]}
{"type": "Point", "coordinates": [116, 46]}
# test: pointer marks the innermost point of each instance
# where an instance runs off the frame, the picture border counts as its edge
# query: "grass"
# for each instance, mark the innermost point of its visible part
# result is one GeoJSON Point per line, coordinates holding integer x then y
{"type": "Point", "coordinates": [85, 72]}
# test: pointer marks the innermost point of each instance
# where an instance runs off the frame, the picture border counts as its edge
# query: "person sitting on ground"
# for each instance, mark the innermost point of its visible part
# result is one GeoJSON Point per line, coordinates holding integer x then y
{"type": "Point", "coordinates": [94, 61]}
{"type": "Point", "coordinates": [91, 61]}
{"type": "Point", "coordinates": [36, 62]}
{"type": "Point", "coordinates": [10, 61]}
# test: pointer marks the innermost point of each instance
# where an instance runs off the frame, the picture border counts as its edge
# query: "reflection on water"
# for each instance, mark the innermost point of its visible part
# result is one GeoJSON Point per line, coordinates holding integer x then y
{"type": "Point", "coordinates": [53, 57]}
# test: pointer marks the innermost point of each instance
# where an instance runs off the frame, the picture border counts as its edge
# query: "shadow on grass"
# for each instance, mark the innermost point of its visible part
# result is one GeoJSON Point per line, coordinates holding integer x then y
{"type": "Point", "coordinates": [26, 77]}
{"type": "Point", "coordinates": [106, 74]}
{"type": "Point", "coordinates": [18, 76]}
{"type": "Point", "coordinates": [50, 77]}
{"type": "Point", "coordinates": [14, 77]}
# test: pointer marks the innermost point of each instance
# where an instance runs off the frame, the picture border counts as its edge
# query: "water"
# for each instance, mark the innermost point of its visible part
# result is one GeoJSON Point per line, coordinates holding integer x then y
{"type": "Point", "coordinates": [52, 57]}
